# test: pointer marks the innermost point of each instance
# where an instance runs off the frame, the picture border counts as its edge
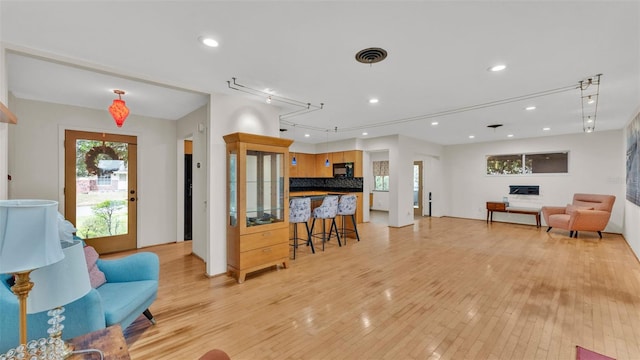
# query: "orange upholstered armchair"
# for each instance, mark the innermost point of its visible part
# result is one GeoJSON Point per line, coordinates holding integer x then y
{"type": "Point", "coordinates": [588, 212]}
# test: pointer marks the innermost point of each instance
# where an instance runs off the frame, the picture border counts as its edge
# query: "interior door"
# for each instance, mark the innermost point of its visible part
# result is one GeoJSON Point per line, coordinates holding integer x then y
{"type": "Point", "coordinates": [417, 188]}
{"type": "Point", "coordinates": [101, 188]}
{"type": "Point", "coordinates": [188, 190]}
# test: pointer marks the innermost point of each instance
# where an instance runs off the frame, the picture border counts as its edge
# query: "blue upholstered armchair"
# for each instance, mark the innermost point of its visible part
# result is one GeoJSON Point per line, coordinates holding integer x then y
{"type": "Point", "coordinates": [131, 287]}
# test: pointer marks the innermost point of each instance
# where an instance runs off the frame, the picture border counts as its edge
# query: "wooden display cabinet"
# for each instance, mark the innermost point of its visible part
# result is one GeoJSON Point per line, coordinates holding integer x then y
{"type": "Point", "coordinates": [257, 203]}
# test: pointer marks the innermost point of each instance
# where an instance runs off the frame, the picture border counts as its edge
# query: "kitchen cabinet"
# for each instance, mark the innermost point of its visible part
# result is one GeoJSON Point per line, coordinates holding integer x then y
{"type": "Point", "coordinates": [305, 165]}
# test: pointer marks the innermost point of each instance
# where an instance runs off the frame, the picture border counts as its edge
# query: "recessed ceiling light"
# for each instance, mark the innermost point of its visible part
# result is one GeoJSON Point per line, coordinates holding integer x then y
{"type": "Point", "coordinates": [365, 133]}
{"type": "Point", "coordinates": [510, 135]}
{"type": "Point", "coordinates": [498, 67]}
{"type": "Point", "coordinates": [546, 129]}
{"type": "Point", "coordinates": [472, 136]}
{"type": "Point", "coordinates": [434, 123]}
{"type": "Point", "coordinates": [208, 41]}
{"type": "Point", "coordinates": [529, 108]}
{"type": "Point", "coordinates": [306, 135]}
{"type": "Point", "coordinates": [373, 101]}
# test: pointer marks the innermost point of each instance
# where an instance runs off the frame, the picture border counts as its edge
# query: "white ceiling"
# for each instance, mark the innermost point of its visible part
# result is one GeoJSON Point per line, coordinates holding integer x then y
{"type": "Point", "coordinates": [439, 53]}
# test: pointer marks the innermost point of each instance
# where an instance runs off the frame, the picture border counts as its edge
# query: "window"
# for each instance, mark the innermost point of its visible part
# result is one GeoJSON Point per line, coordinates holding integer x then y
{"type": "Point", "coordinates": [514, 164]}
{"type": "Point", "coordinates": [381, 175]}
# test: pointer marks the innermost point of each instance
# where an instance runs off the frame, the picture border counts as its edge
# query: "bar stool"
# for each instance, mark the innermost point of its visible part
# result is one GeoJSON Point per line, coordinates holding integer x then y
{"type": "Point", "coordinates": [300, 212]}
{"type": "Point", "coordinates": [347, 207]}
{"type": "Point", "coordinates": [328, 210]}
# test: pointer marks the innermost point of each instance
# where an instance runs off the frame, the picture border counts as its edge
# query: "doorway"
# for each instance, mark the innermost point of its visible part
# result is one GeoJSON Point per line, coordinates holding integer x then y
{"type": "Point", "coordinates": [417, 189]}
{"type": "Point", "coordinates": [188, 190]}
{"type": "Point", "coordinates": [101, 189]}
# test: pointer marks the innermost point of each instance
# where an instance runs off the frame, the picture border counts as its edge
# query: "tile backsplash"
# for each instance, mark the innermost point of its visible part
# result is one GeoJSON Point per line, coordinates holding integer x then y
{"type": "Point", "coordinates": [326, 184]}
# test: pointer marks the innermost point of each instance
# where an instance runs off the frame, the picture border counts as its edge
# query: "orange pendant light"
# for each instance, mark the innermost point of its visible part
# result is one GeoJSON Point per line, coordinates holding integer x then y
{"type": "Point", "coordinates": [118, 109]}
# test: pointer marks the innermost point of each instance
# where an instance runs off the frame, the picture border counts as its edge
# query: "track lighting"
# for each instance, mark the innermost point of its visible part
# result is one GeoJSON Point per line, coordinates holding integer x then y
{"type": "Point", "coordinates": [589, 92]}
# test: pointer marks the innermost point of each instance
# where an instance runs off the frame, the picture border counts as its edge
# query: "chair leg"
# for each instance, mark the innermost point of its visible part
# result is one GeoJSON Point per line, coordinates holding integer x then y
{"type": "Point", "coordinates": [571, 233]}
{"type": "Point", "coordinates": [309, 242]}
{"type": "Point", "coordinates": [549, 229]}
{"type": "Point", "coordinates": [295, 239]}
{"type": "Point", "coordinates": [313, 223]}
{"type": "Point", "coordinates": [324, 234]}
{"type": "Point", "coordinates": [355, 226]}
{"type": "Point", "coordinates": [600, 234]}
{"type": "Point", "coordinates": [147, 313]}
{"type": "Point", "coordinates": [335, 226]}
{"type": "Point", "coordinates": [344, 229]}
{"type": "Point", "coordinates": [575, 234]}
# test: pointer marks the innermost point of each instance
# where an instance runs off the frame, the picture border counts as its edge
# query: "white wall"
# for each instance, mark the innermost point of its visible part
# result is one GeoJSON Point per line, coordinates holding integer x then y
{"type": "Point", "coordinates": [229, 114]}
{"type": "Point", "coordinates": [36, 160]}
{"type": "Point", "coordinates": [333, 146]}
{"type": "Point", "coordinates": [596, 165]}
{"type": "Point", "coordinates": [401, 151]}
{"type": "Point", "coordinates": [300, 147]}
{"type": "Point", "coordinates": [193, 126]}
{"type": "Point", "coordinates": [430, 155]}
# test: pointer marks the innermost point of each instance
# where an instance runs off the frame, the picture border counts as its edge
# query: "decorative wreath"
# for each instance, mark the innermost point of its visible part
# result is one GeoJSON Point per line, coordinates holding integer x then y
{"type": "Point", "coordinates": [91, 155]}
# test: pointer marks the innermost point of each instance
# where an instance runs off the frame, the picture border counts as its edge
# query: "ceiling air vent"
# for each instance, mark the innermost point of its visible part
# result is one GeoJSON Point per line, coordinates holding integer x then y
{"type": "Point", "coordinates": [371, 55]}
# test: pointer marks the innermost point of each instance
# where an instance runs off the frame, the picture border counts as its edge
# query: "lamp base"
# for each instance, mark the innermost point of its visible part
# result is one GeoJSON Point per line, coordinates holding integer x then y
{"type": "Point", "coordinates": [36, 349]}
{"type": "Point", "coordinates": [55, 331]}
{"type": "Point", "coordinates": [21, 289]}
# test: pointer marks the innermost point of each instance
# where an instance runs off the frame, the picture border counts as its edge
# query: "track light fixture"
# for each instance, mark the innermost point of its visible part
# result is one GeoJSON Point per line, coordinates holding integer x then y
{"type": "Point", "coordinates": [589, 89]}
{"type": "Point", "coordinates": [589, 92]}
{"type": "Point", "coordinates": [294, 161]}
{"type": "Point", "coordinates": [306, 107]}
{"type": "Point", "coordinates": [327, 162]}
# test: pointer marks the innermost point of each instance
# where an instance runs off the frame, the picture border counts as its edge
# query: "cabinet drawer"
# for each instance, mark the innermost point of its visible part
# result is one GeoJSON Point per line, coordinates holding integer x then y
{"type": "Point", "coordinates": [257, 257]}
{"type": "Point", "coordinates": [262, 239]}
{"type": "Point", "coordinates": [496, 206]}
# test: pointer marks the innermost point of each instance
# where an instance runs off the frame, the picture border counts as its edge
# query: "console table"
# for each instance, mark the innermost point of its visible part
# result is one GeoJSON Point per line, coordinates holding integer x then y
{"type": "Point", "coordinates": [494, 206]}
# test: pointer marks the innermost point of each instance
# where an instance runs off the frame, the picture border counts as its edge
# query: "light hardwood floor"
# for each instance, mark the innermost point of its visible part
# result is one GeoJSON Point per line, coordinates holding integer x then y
{"type": "Point", "coordinates": [444, 288]}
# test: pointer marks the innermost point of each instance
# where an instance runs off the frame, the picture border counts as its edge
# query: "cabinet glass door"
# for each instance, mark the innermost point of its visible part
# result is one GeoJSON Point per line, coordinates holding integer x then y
{"type": "Point", "coordinates": [233, 188]}
{"type": "Point", "coordinates": [265, 188]}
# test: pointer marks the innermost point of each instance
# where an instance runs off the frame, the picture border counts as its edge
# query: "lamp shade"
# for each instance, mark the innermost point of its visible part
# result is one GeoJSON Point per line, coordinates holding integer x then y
{"type": "Point", "coordinates": [28, 235]}
{"type": "Point", "coordinates": [119, 111]}
{"type": "Point", "coordinates": [61, 283]}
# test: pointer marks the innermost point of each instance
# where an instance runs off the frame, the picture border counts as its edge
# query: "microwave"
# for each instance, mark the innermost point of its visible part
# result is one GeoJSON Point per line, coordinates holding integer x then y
{"type": "Point", "coordinates": [343, 170]}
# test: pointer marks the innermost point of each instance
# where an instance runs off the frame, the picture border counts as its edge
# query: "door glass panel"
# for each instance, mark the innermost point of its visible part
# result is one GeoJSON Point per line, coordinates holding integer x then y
{"type": "Point", "coordinates": [101, 188]}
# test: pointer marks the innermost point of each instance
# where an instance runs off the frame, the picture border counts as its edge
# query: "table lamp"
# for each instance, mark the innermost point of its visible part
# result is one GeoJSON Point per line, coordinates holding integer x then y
{"type": "Point", "coordinates": [28, 240]}
{"type": "Point", "coordinates": [60, 284]}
